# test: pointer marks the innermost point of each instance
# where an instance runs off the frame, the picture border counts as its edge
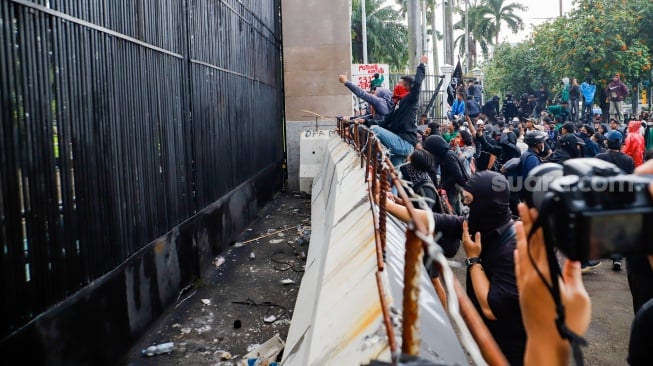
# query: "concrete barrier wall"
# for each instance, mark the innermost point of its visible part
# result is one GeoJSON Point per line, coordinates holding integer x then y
{"type": "Point", "coordinates": [338, 317]}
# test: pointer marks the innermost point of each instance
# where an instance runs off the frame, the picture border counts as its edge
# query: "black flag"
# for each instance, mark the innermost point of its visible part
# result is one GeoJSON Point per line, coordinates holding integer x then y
{"type": "Point", "coordinates": [456, 78]}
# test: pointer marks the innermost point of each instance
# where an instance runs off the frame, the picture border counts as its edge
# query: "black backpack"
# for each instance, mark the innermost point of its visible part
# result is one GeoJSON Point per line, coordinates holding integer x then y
{"type": "Point", "coordinates": [427, 190]}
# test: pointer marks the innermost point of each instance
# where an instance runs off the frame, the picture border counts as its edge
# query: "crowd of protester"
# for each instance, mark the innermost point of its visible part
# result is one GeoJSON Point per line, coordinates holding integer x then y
{"type": "Point", "coordinates": [462, 157]}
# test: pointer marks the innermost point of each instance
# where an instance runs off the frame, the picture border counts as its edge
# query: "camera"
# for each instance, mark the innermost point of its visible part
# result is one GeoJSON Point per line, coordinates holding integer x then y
{"type": "Point", "coordinates": [590, 209]}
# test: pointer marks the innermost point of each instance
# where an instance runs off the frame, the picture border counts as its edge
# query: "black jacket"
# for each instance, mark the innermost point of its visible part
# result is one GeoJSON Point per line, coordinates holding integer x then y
{"type": "Point", "coordinates": [483, 149]}
{"type": "Point", "coordinates": [402, 120]}
{"type": "Point", "coordinates": [509, 109]}
{"type": "Point", "coordinates": [623, 161]}
{"type": "Point", "coordinates": [497, 260]}
{"type": "Point", "coordinates": [509, 146]}
{"type": "Point", "coordinates": [450, 172]}
{"type": "Point", "coordinates": [491, 109]}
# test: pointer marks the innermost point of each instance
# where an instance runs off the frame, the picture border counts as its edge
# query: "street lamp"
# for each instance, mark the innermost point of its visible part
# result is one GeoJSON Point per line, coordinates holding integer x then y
{"type": "Point", "coordinates": [478, 74]}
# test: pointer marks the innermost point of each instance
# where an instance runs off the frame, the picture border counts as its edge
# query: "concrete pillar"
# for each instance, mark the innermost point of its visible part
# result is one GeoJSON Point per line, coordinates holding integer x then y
{"type": "Point", "coordinates": [316, 49]}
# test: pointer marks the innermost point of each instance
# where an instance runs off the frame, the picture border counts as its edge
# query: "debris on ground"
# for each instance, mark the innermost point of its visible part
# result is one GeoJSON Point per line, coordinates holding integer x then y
{"type": "Point", "coordinates": [241, 294]}
{"type": "Point", "coordinates": [218, 261]}
{"type": "Point", "coordinates": [158, 349]}
{"type": "Point", "coordinates": [266, 353]}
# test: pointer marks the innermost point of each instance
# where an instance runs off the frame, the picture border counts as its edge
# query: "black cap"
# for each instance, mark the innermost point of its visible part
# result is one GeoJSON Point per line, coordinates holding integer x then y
{"type": "Point", "coordinates": [408, 78]}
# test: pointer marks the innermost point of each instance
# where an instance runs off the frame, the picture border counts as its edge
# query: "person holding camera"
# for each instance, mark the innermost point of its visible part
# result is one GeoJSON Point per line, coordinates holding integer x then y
{"type": "Point", "coordinates": [489, 240]}
{"type": "Point", "coordinates": [545, 345]}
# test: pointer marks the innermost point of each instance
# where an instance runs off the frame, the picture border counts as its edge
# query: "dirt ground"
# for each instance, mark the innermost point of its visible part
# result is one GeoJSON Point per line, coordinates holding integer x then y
{"type": "Point", "coordinates": [220, 318]}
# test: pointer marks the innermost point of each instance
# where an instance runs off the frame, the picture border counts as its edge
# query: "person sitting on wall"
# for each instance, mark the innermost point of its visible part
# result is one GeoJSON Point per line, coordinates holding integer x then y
{"type": "Point", "coordinates": [380, 101]}
{"type": "Point", "coordinates": [398, 131]}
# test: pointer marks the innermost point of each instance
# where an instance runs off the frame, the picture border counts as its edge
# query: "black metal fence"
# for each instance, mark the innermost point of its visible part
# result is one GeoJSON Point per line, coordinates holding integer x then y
{"type": "Point", "coordinates": [120, 119]}
{"type": "Point", "coordinates": [434, 108]}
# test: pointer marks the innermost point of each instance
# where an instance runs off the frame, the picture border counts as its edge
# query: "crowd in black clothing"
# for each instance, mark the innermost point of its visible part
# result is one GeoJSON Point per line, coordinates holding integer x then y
{"type": "Point", "coordinates": [471, 172]}
{"type": "Point", "coordinates": [470, 155]}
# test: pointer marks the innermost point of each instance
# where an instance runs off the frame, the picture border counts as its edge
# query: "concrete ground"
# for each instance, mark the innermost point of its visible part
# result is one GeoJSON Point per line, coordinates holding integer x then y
{"type": "Point", "coordinates": [241, 302]}
{"type": "Point", "coordinates": [220, 318]}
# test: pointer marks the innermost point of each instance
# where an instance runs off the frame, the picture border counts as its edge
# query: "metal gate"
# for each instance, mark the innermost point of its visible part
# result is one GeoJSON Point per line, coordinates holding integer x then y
{"type": "Point", "coordinates": [121, 119]}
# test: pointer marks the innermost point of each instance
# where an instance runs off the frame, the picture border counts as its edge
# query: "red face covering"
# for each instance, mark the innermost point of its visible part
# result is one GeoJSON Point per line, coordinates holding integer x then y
{"type": "Point", "coordinates": [399, 93]}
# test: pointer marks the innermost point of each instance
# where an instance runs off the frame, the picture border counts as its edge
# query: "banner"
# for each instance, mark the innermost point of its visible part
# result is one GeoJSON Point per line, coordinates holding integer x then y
{"type": "Point", "coordinates": [362, 74]}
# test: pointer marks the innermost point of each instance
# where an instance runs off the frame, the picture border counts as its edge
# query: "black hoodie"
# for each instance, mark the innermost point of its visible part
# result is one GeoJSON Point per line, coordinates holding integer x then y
{"type": "Point", "coordinates": [402, 120]}
{"type": "Point", "coordinates": [489, 214]}
{"type": "Point", "coordinates": [450, 172]}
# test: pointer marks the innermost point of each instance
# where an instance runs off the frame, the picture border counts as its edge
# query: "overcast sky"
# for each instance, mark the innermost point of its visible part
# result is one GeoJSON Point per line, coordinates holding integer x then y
{"type": "Point", "coordinates": [539, 11]}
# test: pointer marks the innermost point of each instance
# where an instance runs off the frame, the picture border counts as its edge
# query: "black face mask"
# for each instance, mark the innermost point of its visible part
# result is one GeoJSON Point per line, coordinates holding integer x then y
{"type": "Point", "coordinates": [490, 207]}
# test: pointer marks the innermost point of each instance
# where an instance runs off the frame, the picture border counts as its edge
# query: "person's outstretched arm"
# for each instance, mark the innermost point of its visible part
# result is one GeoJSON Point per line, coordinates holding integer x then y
{"type": "Point", "coordinates": [379, 104]}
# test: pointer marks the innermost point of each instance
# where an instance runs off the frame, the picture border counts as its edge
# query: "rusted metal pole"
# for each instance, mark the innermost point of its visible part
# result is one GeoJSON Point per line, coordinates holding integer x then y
{"type": "Point", "coordinates": [383, 216]}
{"type": "Point", "coordinates": [355, 137]}
{"type": "Point", "coordinates": [440, 291]}
{"type": "Point", "coordinates": [377, 235]}
{"type": "Point", "coordinates": [392, 342]}
{"type": "Point", "coordinates": [488, 346]}
{"type": "Point", "coordinates": [364, 139]}
{"type": "Point", "coordinates": [371, 146]}
{"type": "Point", "coordinates": [413, 262]}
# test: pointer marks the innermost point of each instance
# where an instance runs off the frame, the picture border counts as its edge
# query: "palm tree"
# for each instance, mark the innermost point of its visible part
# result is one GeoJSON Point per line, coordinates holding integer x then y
{"type": "Point", "coordinates": [481, 31]}
{"type": "Point", "coordinates": [505, 13]}
{"type": "Point", "coordinates": [387, 36]}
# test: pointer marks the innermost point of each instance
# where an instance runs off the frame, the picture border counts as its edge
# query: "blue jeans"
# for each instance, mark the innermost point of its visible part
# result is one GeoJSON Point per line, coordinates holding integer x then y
{"type": "Point", "coordinates": [399, 148]}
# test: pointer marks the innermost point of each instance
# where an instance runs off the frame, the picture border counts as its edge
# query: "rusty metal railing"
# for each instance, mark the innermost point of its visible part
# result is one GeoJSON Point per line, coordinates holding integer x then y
{"type": "Point", "coordinates": [380, 176]}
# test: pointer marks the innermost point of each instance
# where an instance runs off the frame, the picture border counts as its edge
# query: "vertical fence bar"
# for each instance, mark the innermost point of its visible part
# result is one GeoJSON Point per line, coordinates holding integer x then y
{"type": "Point", "coordinates": [112, 134]}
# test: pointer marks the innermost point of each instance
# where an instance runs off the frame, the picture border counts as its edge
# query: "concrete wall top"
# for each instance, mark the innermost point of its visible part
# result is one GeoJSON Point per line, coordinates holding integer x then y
{"type": "Point", "coordinates": [338, 318]}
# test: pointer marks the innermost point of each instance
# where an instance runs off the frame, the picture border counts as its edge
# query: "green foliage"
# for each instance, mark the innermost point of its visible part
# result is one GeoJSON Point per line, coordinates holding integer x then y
{"type": "Point", "coordinates": [513, 70]}
{"type": "Point", "coordinates": [599, 38]}
{"type": "Point", "coordinates": [387, 36]}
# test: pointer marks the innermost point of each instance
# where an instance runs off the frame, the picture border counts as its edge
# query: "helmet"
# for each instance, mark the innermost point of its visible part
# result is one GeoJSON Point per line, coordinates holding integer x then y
{"type": "Point", "coordinates": [533, 138]}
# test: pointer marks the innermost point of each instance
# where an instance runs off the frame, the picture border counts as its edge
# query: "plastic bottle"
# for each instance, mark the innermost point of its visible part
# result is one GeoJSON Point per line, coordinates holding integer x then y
{"type": "Point", "coordinates": [158, 349]}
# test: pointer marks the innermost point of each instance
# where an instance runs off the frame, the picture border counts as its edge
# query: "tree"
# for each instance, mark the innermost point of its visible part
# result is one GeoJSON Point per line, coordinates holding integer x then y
{"type": "Point", "coordinates": [514, 69]}
{"type": "Point", "coordinates": [599, 38]}
{"type": "Point", "coordinates": [387, 36]}
{"type": "Point", "coordinates": [481, 31]}
{"type": "Point", "coordinates": [504, 13]}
